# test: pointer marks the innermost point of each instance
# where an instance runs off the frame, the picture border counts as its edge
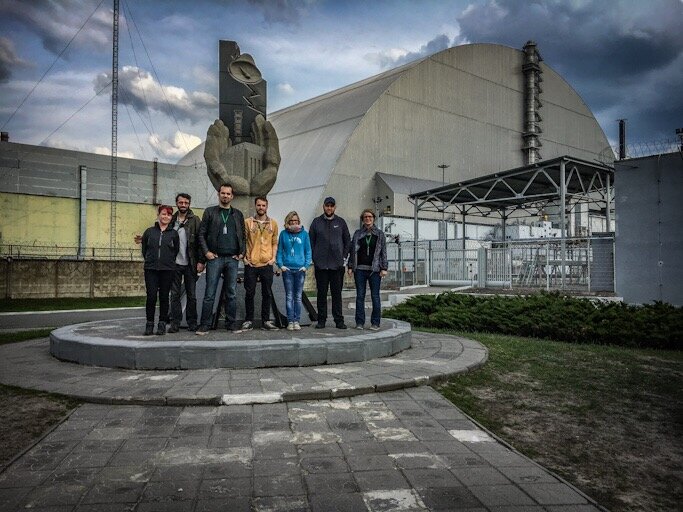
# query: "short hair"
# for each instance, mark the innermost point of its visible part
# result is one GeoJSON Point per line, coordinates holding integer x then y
{"type": "Point", "coordinates": [185, 195]}
{"type": "Point", "coordinates": [164, 207]}
{"type": "Point", "coordinates": [290, 216]}
{"type": "Point", "coordinates": [226, 184]}
{"type": "Point", "coordinates": [261, 198]}
{"type": "Point", "coordinates": [367, 210]}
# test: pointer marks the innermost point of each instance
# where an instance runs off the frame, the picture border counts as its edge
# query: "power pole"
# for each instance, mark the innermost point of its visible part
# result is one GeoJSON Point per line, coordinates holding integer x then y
{"type": "Point", "coordinates": [114, 127]}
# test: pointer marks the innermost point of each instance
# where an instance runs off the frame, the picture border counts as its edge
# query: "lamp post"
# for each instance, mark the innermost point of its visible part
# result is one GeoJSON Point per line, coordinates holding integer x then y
{"type": "Point", "coordinates": [443, 168]}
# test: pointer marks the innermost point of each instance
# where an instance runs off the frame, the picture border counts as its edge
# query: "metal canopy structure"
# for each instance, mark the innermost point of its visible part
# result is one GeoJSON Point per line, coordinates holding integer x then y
{"type": "Point", "coordinates": [530, 189]}
{"type": "Point", "coordinates": [563, 181]}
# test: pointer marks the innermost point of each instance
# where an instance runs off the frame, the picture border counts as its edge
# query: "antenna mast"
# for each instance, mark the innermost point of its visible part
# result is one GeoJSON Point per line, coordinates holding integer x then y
{"type": "Point", "coordinates": [114, 127]}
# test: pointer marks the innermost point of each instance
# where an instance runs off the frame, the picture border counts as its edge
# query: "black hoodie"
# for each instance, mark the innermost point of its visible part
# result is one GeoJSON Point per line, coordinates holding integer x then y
{"type": "Point", "coordinates": [160, 248]}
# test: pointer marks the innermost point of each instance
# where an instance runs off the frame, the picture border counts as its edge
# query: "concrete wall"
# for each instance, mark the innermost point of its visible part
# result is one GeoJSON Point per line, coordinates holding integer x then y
{"type": "Point", "coordinates": [25, 279]}
{"type": "Point", "coordinates": [649, 229]}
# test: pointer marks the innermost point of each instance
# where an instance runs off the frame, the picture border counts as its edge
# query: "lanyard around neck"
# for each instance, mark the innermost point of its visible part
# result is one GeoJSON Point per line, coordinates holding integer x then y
{"type": "Point", "coordinates": [224, 217]}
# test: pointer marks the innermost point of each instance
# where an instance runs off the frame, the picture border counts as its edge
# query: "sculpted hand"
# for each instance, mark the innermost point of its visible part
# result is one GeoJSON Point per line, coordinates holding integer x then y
{"type": "Point", "coordinates": [220, 158]}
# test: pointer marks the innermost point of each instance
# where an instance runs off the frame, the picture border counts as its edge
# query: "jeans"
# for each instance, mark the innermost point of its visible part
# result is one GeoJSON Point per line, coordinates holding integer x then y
{"type": "Point", "coordinates": [294, 287]}
{"type": "Point", "coordinates": [157, 282]}
{"type": "Point", "coordinates": [362, 277]}
{"type": "Point", "coordinates": [226, 265]}
{"type": "Point", "coordinates": [334, 280]}
{"type": "Point", "coordinates": [183, 273]}
{"type": "Point", "coordinates": [265, 273]}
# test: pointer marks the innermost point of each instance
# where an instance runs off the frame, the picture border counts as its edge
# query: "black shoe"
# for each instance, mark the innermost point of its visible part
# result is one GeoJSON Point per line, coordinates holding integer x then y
{"type": "Point", "coordinates": [149, 328]}
{"type": "Point", "coordinates": [320, 325]}
{"type": "Point", "coordinates": [161, 328]}
{"type": "Point", "coordinates": [173, 328]}
{"type": "Point", "coordinates": [192, 328]}
{"type": "Point", "coordinates": [341, 325]}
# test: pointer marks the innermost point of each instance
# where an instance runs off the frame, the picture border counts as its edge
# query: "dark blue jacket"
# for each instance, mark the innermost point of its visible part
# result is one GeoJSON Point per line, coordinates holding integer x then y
{"type": "Point", "coordinates": [330, 242]}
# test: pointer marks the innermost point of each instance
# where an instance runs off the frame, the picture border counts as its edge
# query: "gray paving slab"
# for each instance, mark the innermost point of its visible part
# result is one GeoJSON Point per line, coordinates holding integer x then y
{"type": "Point", "coordinates": [432, 358]}
{"type": "Point", "coordinates": [272, 465]}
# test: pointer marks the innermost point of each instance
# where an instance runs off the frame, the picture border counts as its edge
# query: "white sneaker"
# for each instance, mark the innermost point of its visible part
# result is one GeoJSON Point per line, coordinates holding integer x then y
{"type": "Point", "coordinates": [297, 327]}
{"type": "Point", "coordinates": [290, 326]}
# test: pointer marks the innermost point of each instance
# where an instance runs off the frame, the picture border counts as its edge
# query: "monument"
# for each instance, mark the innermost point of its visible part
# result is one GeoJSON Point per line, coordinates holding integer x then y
{"type": "Point", "coordinates": [241, 146]}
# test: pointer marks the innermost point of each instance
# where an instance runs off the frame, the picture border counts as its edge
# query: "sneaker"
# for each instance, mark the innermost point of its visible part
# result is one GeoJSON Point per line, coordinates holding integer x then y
{"type": "Point", "coordinates": [341, 326]}
{"type": "Point", "coordinates": [359, 327]}
{"type": "Point", "coordinates": [320, 325]}
{"type": "Point", "coordinates": [202, 331]}
{"type": "Point", "coordinates": [374, 327]}
{"type": "Point", "coordinates": [173, 328]}
{"type": "Point", "coordinates": [161, 328]}
{"type": "Point", "coordinates": [149, 328]}
{"type": "Point", "coordinates": [269, 325]}
{"type": "Point", "coordinates": [248, 325]}
{"type": "Point", "coordinates": [297, 327]}
{"type": "Point", "coordinates": [192, 328]}
{"type": "Point", "coordinates": [290, 326]}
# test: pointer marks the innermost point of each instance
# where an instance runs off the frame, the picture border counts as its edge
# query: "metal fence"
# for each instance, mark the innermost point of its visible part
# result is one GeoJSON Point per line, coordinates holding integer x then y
{"type": "Point", "coordinates": [579, 264]}
{"type": "Point", "coordinates": [16, 251]}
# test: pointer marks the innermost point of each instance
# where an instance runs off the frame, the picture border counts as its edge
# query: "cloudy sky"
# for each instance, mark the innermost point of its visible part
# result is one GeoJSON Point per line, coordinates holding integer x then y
{"type": "Point", "coordinates": [624, 57]}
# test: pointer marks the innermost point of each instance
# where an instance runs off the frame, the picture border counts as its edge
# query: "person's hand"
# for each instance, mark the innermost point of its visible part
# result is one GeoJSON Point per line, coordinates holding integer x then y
{"type": "Point", "coordinates": [200, 268]}
{"type": "Point", "coordinates": [219, 162]}
{"type": "Point", "coordinates": [383, 273]}
{"type": "Point", "coordinates": [137, 238]}
{"type": "Point", "coordinates": [271, 262]}
{"type": "Point", "coordinates": [349, 272]}
{"type": "Point", "coordinates": [284, 269]}
{"type": "Point", "coordinates": [210, 255]}
{"type": "Point", "coordinates": [302, 269]}
{"type": "Point", "coordinates": [237, 256]}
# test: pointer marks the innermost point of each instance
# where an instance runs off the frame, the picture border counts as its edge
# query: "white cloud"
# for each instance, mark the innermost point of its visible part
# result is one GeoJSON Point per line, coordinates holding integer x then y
{"type": "Point", "coordinates": [174, 147]}
{"type": "Point", "coordinates": [102, 150]}
{"type": "Point", "coordinates": [139, 89]}
{"type": "Point", "coordinates": [285, 88]}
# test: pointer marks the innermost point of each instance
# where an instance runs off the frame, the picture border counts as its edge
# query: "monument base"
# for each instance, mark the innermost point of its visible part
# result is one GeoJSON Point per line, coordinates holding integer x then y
{"type": "Point", "coordinates": [120, 344]}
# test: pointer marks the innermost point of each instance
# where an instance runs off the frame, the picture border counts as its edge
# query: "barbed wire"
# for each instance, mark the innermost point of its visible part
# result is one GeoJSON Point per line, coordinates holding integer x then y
{"type": "Point", "coordinates": [641, 149]}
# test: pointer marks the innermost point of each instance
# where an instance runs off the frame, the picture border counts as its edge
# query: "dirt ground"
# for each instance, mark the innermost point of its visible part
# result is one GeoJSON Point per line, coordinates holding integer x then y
{"type": "Point", "coordinates": [26, 416]}
{"type": "Point", "coordinates": [626, 453]}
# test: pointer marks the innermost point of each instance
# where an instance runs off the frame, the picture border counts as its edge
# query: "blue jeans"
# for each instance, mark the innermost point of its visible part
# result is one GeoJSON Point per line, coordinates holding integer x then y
{"type": "Point", "coordinates": [226, 265]}
{"type": "Point", "coordinates": [362, 277]}
{"type": "Point", "coordinates": [294, 287]}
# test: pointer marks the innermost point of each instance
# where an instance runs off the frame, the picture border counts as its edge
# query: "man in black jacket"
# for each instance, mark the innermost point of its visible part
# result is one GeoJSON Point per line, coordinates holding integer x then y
{"type": "Point", "coordinates": [330, 243]}
{"type": "Point", "coordinates": [189, 261]}
{"type": "Point", "coordinates": [221, 237]}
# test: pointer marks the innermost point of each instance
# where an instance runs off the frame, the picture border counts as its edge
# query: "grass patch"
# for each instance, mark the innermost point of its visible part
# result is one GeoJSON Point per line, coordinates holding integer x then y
{"type": "Point", "coordinates": [26, 415]}
{"type": "Point", "coordinates": [14, 337]}
{"type": "Point", "coordinates": [608, 419]}
{"type": "Point", "coordinates": [9, 305]}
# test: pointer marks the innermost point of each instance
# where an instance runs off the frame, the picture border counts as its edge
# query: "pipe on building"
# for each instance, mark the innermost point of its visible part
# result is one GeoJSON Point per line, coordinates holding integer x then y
{"type": "Point", "coordinates": [532, 78]}
{"type": "Point", "coordinates": [622, 139]}
{"type": "Point", "coordinates": [83, 207]}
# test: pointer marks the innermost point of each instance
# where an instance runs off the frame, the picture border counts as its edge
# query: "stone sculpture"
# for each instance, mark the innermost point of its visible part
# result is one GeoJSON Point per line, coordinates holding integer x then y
{"type": "Point", "coordinates": [248, 161]}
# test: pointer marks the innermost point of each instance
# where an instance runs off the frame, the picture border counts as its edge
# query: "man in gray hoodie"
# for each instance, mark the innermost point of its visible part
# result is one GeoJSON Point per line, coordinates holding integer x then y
{"type": "Point", "coordinates": [330, 243]}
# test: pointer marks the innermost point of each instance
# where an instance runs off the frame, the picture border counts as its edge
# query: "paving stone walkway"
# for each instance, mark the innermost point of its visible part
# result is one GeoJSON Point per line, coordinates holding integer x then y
{"type": "Point", "coordinates": [432, 358]}
{"type": "Point", "coordinates": [406, 450]}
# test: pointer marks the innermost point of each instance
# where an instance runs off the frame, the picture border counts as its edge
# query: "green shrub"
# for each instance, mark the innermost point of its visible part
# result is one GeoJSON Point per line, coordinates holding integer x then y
{"type": "Point", "coordinates": [550, 316]}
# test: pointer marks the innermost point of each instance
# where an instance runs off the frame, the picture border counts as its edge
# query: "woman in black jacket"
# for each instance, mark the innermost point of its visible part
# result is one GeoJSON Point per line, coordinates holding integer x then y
{"type": "Point", "coordinates": [160, 245]}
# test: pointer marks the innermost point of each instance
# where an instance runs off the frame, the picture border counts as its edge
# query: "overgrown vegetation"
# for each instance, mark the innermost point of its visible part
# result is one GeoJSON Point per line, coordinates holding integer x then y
{"type": "Point", "coordinates": [606, 418]}
{"type": "Point", "coordinates": [15, 336]}
{"type": "Point", "coordinates": [550, 316]}
{"type": "Point", "coordinates": [7, 305]}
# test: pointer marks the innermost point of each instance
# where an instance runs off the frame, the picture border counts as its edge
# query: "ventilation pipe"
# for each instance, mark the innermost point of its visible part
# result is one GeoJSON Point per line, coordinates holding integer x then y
{"type": "Point", "coordinates": [532, 89]}
{"type": "Point", "coordinates": [622, 139]}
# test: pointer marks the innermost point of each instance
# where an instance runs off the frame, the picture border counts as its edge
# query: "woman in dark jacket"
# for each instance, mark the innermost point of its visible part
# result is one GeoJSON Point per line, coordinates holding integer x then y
{"type": "Point", "coordinates": [160, 245]}
{"type": "Point", "coordinates": [368, 262]}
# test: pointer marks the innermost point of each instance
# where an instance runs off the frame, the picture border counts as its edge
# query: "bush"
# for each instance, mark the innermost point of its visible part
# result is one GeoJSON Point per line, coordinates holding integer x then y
{"type": "Point", "coordinates": [550, 316]}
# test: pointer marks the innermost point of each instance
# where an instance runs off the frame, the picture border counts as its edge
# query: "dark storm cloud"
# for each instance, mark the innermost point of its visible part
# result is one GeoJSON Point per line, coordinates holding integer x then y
{"type": "Point", "coordinates": [8, 59]}
{"type": "Point", "coordinates": [612, 53]}
{"type": "Point", "coordinates": [287, 12]}
{"type": "Point", "coordinates": [57, 21]}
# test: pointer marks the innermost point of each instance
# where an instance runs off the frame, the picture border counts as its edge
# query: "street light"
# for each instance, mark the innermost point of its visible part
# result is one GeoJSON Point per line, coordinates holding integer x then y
{"type": "Point", "coordinates": [443, 168]}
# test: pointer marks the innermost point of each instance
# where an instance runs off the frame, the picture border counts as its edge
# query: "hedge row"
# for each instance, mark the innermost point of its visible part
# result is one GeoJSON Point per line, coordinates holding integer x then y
{"type": "Point", "coordinates": [549, 316]}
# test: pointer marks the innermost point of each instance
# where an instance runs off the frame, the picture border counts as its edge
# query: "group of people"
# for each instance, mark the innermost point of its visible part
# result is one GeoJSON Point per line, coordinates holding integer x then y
{"type": "Point", "coordinates": [179, 247]}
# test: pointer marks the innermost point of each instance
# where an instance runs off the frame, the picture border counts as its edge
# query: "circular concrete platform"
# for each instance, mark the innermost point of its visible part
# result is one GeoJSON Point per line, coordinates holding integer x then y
{"type": "Point", "coordinates": [120, 344]}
